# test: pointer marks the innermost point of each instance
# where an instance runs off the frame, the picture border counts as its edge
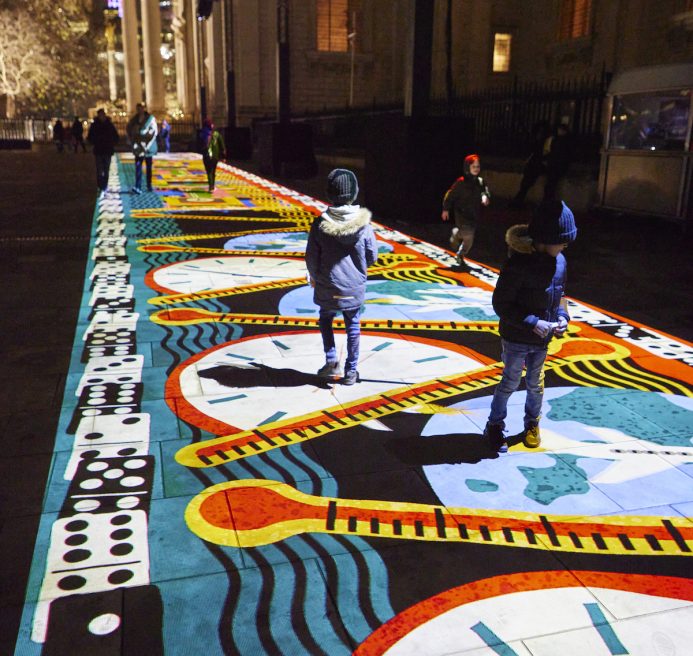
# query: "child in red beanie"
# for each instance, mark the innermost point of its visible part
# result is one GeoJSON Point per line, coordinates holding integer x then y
{"type": "Point", "coordinates": [464, 199]}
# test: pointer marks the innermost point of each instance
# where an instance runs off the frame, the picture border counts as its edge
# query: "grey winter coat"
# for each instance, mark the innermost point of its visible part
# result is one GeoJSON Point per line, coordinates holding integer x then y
{"type": "Point", "coordinates": [341, 247]}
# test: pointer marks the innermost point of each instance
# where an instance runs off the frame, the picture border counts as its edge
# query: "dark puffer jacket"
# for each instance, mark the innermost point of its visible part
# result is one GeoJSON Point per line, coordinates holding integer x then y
{"type": "Point", "coordinates": [341, 247]}
{"type": "Point", "coordinates": [103, 136]}
{"type": "Point", "coordinates": [530, 287]}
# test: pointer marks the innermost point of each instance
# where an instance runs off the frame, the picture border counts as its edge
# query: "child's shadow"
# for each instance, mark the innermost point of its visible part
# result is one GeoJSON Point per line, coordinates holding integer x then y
{"type": "Point", "coordinates": [449, 449]}
{"type": "Point", "coordinates": [260, 375]}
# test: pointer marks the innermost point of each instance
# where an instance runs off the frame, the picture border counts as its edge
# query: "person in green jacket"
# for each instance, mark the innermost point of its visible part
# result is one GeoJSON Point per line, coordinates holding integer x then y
{"type": "Point", "coordinates": [213, 149]}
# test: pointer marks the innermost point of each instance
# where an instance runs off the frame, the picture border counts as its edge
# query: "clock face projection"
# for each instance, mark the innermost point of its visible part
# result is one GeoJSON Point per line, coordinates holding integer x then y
{"type": "Point", "coordinates": [594, 613]}
{"type": "Point", "coordinates": [255, 381]}
{"type": "Point", "coordinates": [223, 272]}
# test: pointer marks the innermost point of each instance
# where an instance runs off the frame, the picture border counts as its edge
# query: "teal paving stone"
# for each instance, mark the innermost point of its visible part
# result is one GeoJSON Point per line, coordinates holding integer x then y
{"type": "Point", "coordinates": [346, 584]}
{"type": "Point", "coordinates": [40, 553]}
{"type": "Point", "coordinates": [607, 411]}
{"type": "Point", "coordinates": [165, 425]}
{"type": "Point", "coordinates": [296, 617]}
{"type": "Point", "coordinates": [176, 552]}
{"type": "Point", "coordinates": [24, 645]}
{"type": "Point", "coordinates": [153, 380]}
{"type": "Point", "coordinates": [147, 331]}
{"type": "Point", "coordinates": [673, 416]}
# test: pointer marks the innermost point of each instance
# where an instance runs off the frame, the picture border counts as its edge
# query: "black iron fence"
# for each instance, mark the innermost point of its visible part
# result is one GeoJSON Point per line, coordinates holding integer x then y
{"type": "Point", "coordinates": [504, 117]}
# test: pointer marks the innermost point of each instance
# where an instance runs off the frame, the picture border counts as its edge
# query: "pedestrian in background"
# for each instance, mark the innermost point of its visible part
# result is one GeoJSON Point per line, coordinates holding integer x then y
{"type": "Point", "coordinates": [165, 136]}
{"type": "Point", "coordinates": [213, 148]}
{"type": "Point", "coordinates": [142, 132]}
{"type": "Point", "coordinates": [528, 300]}
{"type": "Point", "coordinates": [341, 246]}
{"type": "Point", "coordinates": [77, 131]}
{"type": "Point", "coordinates": [558, 160]}
{"type": "Point", "coordinates": [103, 137]}
{"type": "Point", "coordinates": [464, 200]}
{"type": "Point", "coordinates": [535, 166]}
{"type": "Point", "coordinates": [59, 135]}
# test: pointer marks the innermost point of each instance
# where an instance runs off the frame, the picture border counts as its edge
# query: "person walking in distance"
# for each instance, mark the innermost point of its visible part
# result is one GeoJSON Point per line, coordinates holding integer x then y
{"type": "Point", "coordinates": [77, 131]}
{"type": "Point", "coordinates": [341, 246]}
{"type": "Point", "coordinates": [59, 135]}
{"type": "Point", "coordinates": [528, 300]}
{"type": "Point", "coordinates": [103, 137]}
{"type": "Point", "coordinates": [464, 200]}
{"type": "Point", "coordinates": [142, 132]}
{"type": "Point", "coordinates": [213, 148]}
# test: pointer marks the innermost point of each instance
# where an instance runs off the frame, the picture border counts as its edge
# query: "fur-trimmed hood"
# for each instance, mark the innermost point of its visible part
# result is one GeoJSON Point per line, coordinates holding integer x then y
{"type": "Point", "coordinates": [344, 222]}
{"type": "Point", "coordinates": [517, 238]}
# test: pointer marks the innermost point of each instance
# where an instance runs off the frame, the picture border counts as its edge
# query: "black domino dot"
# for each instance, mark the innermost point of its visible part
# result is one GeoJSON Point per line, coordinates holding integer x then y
{"type": "Point", "coordinates": [93, 436]}
{"type": "Point", "coordinates": [120, 576]}
{"type": "Point", "coordinates": [122, 549]}
{"type": "Point", "coordinates": [127, 452]}
{"type": "Point", "coordinates": [76, 555]}
{"type": "Point", "coordinates": [90, 455]}
{"type": "Point", "coordinates": [120, 520]}
{"type": "Point", "coordinates": [73, 582]}
{"type": "Point", "coordinates": [76, 540]}
{"type": "Point", "coordinates": [76, 525]}
{"type": "Point", "coordinates": [131, 420]}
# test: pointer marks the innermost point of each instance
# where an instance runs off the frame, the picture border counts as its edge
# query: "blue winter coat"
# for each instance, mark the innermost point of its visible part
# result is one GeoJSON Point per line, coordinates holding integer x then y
{"type": "Point", "coordinates": [530, 287]}
{"type": "Point", "coordinates": [341, 247]}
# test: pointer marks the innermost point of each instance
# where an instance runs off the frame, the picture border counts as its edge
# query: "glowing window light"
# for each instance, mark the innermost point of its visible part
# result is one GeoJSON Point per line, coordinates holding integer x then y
{"type": "Point", "coordinates": [501, 52]}
{"type": "Point", "coordinates": [332, 28]}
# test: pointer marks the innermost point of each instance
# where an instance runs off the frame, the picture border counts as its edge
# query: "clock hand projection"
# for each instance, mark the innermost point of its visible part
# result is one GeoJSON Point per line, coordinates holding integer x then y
{"type": "Point", "coordinates": [205, 475]}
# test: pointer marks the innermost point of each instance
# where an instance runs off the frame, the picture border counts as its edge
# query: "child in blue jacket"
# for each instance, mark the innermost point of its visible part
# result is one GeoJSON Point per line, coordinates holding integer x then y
{"type": "Point", "coordinates": [528, 300]}
{"type": "Point", "coordinates": [341, 247]}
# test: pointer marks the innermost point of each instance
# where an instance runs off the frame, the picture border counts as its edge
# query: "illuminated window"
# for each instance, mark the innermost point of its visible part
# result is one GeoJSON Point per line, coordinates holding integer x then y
{"type": "Point", "coordinates": [501, 52]}
{"type": "Point", "coordinates": [332, 25]}
{"type": "Point", "coordinates": [575, 19]}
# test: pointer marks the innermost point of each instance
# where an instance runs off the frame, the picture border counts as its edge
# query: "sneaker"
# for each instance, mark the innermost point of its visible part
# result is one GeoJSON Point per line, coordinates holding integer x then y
{"type": "Point", "coordinates": [329, 370]}
{"type": "Point", "coordinates": [494, 434]}
{"type": "Point", "coordinates": [350, 377]}
{"type": "Point", "coordinates": [532, 437]}
{"type": "Point", "coordinates": [136, 190]}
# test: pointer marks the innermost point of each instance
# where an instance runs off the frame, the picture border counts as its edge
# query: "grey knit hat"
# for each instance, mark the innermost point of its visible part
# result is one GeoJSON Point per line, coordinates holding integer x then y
{"type": "Point", "coordinates": [342, 187]}
{"type": "Point", "coordinates": [553, 223]}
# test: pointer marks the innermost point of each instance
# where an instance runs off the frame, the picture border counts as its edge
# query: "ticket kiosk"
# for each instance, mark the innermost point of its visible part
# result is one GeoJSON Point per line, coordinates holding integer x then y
{"type": "Point", "coordinates": [646, 164]}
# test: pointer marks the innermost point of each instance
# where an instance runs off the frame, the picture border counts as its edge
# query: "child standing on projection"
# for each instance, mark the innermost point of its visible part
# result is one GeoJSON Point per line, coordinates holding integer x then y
{"type": "Point", "coordinates": [529, 302]}
{"type": "Point", "coordinates": [341, 247]}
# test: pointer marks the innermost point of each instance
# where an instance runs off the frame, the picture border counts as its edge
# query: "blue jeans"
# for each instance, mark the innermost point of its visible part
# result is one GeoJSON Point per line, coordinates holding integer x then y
{"type": "Point", "coordinates": [103, 164]}
{"type": "Point", "coordinates": [138, 172]}
{"type": "Point", "coordinates": [353, 331]}
{"type": "Point", "coordinates": [516, 357]}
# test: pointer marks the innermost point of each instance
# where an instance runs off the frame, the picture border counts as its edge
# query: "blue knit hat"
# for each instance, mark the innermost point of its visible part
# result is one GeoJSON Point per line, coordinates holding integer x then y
{"type": "Point", "coordinates": [553, 223]}
{"type": "Point", "coordinates": [342, 187]}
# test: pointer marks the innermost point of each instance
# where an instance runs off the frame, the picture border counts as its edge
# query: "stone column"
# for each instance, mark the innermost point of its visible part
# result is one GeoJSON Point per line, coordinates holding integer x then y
{"type": "Point", "coordinates": [131, 56]}
{"type": "Point", "coordinates": [109, 30]}
{"type": "Point", "coordinates": [153, 63]}
{"type": "Point", "coordinates": [215, 64]}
